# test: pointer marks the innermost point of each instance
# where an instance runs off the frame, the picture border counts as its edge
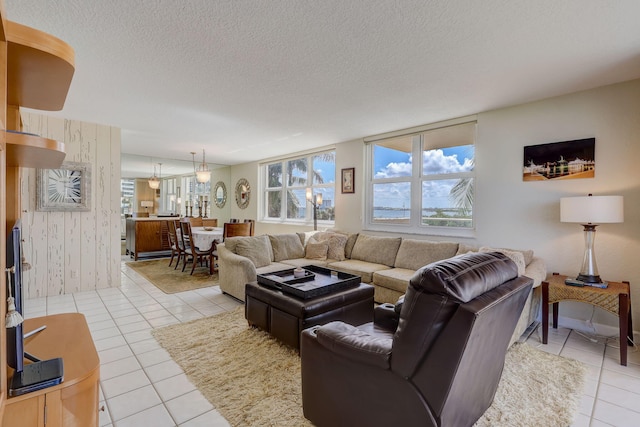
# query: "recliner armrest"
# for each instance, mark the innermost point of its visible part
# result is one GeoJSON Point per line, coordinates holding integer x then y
{"type": "Point", "coordinates": [355, 344]}
{"type": "Point", "coordinates": [385, 316]}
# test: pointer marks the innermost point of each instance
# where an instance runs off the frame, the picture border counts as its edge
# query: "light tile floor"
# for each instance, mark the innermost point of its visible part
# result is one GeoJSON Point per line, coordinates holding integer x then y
{"type": "Point", "coordinates": [141, 386]}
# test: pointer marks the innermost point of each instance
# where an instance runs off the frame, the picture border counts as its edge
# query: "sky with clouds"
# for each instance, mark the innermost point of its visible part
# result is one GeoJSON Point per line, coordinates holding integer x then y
{"type": "Point", "coordinates": [390, 163]}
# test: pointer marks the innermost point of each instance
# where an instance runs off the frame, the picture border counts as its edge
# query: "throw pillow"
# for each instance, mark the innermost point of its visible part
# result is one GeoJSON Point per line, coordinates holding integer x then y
{"type": "Point", "coordinates": [316, 250]}
{"type": "Point", "coordinates": [257, 249]}
{"type": "Point", "coordinates": [337, 243]}
{"type": "Point", "coordinates": [515, 256]}
{"type": "Point", "coordinates": [528, 254]}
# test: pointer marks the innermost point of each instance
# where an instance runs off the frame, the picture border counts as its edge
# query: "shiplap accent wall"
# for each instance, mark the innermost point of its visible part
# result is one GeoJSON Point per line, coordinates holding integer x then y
{"type": "Point", "coordinates": [74, 251]}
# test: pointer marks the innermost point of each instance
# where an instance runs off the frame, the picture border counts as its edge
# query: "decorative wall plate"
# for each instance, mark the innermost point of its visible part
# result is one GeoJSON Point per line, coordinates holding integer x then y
{"type": "Point", "coordinates": [220, 194]}
{"type": "Point", "coordinates": [243, 193]}
{"type": "Point", "coordinates": [65, 189]}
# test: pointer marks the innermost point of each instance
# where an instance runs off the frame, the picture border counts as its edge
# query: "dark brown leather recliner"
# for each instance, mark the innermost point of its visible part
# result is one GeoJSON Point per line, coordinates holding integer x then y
{"type": "Point", "coordinates": [440, 367]}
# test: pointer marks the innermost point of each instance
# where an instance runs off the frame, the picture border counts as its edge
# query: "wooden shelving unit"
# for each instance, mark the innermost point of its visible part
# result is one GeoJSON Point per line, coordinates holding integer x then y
{"type": "Point", "coordinates": [37, 68]}
{"type": "Point", "coordinates": [31, 151]}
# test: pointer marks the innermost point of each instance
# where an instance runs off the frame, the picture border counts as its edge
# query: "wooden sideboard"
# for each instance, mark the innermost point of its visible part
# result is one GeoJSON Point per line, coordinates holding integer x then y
{"type": "Point", "coordinates": [147, 236]}
{"type": "Point", "coordinates": [74, 402]}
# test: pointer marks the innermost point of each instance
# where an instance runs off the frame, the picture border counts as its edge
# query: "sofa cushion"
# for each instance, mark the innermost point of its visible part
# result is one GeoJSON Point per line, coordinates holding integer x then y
{"type": "Point", "coordinates": [256, 248]}
{"type": "Point", "coordinates": [316, 250]}
{"type": "Point", "coordinates": [515, 256]}
{"type": "Point", "coordinates": [302, 262]}
{"type": "Point", "coordinates": [274, 266]}
{"type": "Point", "coordinates": [463, 248]}
{"type": "Point", "coordinates": [351, 241]}
{"type": "Point", "coordinates": [377, 250]}
{"type": "Point", "coordinates": [414, 254]}
{"type": "Point", "coordinates": [396, 279]}
{"type": "Point", "coordinates": [286, 246]}
{"type": "Point", "coordinates": [363, 269]}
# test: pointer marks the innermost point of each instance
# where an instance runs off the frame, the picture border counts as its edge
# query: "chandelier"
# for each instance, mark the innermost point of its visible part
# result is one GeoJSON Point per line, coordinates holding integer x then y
{"type": "Point", "coordinates": [154, 181]}
{"type": "Point", "coordinates": [203, 174]}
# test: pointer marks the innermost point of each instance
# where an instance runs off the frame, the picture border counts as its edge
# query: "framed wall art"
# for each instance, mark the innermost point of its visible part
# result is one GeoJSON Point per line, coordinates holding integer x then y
{"type": "Point", "coordinates": [348, 180]}
{"type": "Point", "coordinates": [560, 160]}
{"type": "Point", "coordinates": [66, 189]}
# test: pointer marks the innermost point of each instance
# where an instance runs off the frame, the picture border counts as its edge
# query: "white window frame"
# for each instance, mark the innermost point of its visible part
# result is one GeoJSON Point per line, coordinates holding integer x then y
{"type": "Point", "coordinates": [416, 180]}
{"type": "Point", "coordinates": [264, 190]}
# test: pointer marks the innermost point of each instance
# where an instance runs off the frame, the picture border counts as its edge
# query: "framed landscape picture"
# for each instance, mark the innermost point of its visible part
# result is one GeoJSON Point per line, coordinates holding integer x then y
{"type": "Point", "coordinates": [348, 180]}
{"type": "Point", "coordinates": [65, 189]}
{"type": "Point", "coordinates": [560, 160]}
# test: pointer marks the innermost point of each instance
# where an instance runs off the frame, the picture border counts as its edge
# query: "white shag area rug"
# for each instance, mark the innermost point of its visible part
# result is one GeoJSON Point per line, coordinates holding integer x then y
{"type": "Point", "coordinates": [253, 380]}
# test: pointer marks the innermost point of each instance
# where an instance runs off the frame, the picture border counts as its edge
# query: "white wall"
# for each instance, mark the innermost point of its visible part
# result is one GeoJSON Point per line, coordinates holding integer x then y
{"type": "Point", "coordinates": [512, 213]}
{"type": "Point", "coordinates": [74, 251]}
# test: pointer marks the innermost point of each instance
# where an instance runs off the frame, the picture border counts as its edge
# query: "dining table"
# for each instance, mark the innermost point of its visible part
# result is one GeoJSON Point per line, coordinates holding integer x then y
{"type": "Point", "coordinates": [203, 239]}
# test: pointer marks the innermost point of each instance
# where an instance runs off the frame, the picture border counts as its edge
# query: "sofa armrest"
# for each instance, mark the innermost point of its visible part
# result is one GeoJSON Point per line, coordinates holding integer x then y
{"type": "Point", "coordinates": [537, 270]}
{"type": "Point", "coordinates": [350, 342]}
{"type": "Point", "coordinates": [235, 271]}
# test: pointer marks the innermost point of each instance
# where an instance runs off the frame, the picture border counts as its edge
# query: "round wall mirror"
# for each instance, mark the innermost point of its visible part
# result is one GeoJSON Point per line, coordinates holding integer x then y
{"type": "Point", "coordinates": [220, 194]}
{"type": "Point", "coordinates": [243, 192]}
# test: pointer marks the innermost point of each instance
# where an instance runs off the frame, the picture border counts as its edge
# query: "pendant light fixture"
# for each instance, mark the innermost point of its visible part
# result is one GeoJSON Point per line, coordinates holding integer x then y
{"type": "Point", "coordinates": [154, 181]}
{"type": "Point", "coordinates": [203, 174]}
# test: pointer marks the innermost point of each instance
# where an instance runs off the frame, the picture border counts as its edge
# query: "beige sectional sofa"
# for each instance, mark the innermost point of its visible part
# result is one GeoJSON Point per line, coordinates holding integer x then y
{"type": "Point", "coordinates": [385, 262]}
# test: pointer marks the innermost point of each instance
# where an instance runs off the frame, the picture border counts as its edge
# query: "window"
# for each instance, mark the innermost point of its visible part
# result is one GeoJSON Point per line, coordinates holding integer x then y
{"type": "Point", "coordinates": [423, 182]}
{"type": "Point", "coordinates": [286, 184]}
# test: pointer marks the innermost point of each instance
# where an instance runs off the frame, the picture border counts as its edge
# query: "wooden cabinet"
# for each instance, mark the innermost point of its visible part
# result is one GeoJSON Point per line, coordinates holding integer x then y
{"type": "Point", "coordinates": [147, 236]}
{"type": "Point", "coordinates": [74, 402]}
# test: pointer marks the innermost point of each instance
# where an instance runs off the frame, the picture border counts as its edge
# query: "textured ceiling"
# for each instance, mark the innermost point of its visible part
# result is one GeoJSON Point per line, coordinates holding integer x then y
{"type": "Point", "coordinates": [247, 80]}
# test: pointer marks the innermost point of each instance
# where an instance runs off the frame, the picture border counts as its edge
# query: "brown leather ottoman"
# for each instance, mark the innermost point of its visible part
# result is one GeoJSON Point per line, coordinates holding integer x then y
{"type": "Point", "coordinates": [285, 316]}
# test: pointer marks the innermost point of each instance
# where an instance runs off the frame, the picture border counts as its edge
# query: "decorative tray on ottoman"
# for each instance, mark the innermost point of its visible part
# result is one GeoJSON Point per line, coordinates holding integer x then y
{"type": "Point", "coordinates": [316, 281]}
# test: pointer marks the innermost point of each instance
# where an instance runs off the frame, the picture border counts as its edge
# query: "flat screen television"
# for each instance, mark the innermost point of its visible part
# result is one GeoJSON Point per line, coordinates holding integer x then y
{"type": "Point", "coordinates": [15, 338]}
{"type": "Point", "coordinates": [41, 373]}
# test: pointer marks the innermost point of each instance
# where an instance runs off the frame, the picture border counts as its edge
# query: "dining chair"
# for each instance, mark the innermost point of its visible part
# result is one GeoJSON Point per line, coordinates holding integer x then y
{"type": "Point", "coordinates": [195, 221]}
{"type": "Point", "coordinates": [177, 247]}
{"type": "Point", "coordinates": [194, 253]}
{"type": "Point", "coordinates": [233, 220]}
{"type": "Point", "coordinates": [233, 229]}
{"type": "Point", "coordinates": [253, 225]}
{"type": "Point", "coordinates": [209, 222]}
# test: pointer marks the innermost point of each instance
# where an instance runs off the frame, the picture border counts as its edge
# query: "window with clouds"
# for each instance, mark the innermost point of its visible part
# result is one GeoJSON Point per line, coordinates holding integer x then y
{"type": "Point", "coordinates": [422, 182]}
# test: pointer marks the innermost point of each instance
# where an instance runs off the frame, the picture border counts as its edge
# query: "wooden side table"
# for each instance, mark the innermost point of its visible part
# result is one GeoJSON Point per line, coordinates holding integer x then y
{"type": "Point", "coordinates": [615, 299]}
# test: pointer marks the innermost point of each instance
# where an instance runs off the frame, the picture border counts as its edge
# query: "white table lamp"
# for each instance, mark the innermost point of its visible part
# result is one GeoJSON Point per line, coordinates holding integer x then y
{"type": "Point", "coordinates": [590, 211]}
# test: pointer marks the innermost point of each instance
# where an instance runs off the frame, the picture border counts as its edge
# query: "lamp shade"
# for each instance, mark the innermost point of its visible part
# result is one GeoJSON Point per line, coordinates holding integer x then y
{"type": "Point", "coordinates": [592, 209]}
{"type": "Point", "coordinates": [146, 203]}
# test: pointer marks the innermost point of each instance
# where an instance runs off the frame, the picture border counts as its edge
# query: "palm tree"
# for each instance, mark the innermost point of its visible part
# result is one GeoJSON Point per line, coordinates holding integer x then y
{"type": "Point", "coordinates": [462, 193]}
{"type": "Point", "coordinates": [293, 179]}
